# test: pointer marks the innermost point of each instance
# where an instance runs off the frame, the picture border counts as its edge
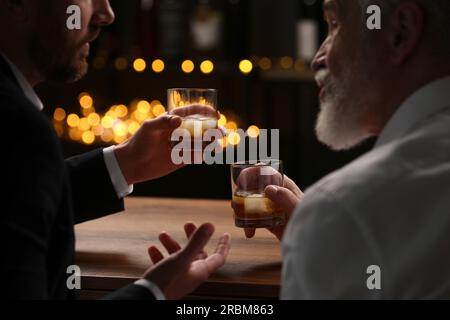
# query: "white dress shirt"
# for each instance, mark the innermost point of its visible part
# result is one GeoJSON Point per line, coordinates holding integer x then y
{"type": "Point", "coordinates": [390, 208]}
{"type": "Point", "coordinates": [118, 180]}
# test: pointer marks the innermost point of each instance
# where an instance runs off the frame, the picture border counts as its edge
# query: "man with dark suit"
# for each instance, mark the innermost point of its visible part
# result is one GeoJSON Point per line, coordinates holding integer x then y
{"type": "Point", "coordinates": [45, 195]}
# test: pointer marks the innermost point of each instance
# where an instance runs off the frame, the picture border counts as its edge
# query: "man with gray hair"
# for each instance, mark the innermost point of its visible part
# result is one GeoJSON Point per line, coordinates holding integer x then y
{"type": "Point", "coordinates": [379, 228]}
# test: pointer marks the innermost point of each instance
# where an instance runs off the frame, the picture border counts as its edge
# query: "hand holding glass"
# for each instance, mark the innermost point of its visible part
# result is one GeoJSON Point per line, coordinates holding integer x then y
{"type": "Point", "coordinates": [252, 209]}
{"type": "Point", "coordinates": [196, 124]}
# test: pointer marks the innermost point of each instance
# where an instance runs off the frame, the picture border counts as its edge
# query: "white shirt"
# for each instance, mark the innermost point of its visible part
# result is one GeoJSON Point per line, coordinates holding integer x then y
{"type": "Point", "coordinates": [118, 180]}
{"type": "Point", "coordinates": [390, 208]}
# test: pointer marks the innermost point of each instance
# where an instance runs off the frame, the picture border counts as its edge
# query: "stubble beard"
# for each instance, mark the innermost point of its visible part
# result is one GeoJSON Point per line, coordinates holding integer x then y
{"type": "Point", "coordinates": [55, 59]}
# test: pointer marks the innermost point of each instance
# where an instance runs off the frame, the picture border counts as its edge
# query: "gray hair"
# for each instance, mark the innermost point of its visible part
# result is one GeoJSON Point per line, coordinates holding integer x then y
{"type": "Point", "coordinates": [437, 20]}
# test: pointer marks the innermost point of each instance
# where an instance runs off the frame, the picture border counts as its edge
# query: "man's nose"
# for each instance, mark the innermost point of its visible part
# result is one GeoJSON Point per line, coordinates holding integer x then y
{"type": "Point", "coordinates": [103, 13]}
{"type": "Point", "coordinates": [319, 60]}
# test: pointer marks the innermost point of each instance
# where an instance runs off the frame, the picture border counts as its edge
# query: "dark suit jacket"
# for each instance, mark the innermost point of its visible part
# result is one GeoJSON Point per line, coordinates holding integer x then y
{"type": "Point", "coordinates": [43, 197]}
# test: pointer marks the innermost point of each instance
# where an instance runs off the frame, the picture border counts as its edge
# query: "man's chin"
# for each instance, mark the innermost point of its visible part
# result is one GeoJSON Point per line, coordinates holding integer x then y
{"type": "Point", "coordinates": [338, 131]}
{"type": "Point", "coordinates": [70, 73]}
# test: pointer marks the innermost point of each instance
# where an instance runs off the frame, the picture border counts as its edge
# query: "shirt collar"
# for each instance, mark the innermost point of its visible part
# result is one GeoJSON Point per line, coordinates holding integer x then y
{"type": "Point", "coordinates": [24, 85]}
{"type": "Point", "coordinates": [429, 100]}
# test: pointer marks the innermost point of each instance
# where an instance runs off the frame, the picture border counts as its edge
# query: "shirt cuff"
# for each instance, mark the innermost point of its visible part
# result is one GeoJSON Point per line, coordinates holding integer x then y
{"type": "Point", "coordinates": [153, 288]}
{"type": "Point", "coordinates": [118, 180]}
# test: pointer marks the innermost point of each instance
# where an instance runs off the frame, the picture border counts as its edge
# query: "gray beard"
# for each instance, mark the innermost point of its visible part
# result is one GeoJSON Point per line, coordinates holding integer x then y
{"type": "Point", "coordinates": [339, 122]}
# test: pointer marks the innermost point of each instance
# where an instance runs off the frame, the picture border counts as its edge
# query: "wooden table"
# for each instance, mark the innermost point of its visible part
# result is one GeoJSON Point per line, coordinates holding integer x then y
{"type": "Point", "coordinates": [112, 251]}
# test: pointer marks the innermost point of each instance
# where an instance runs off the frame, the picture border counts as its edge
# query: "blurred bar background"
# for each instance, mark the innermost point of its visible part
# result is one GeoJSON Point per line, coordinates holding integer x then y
{"type": "Point", "coordinates": [255, 52]}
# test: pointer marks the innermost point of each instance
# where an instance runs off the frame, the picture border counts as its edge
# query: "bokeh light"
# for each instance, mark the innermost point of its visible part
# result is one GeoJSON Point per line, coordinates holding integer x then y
{"type": "Point", "coordinates": [158, 110]}
{"type": "Point", "coordinates": [73, 120]}
{"type": "Point", "coordinates": [158, 66]}
{"type": "Point", "coordinates": [246, 66]}
{"type": "Point", "coordinates": [88, 137]}
{"type": "Point", "coordinates": [253, 131]}
{"type": "Point", "coordinates": [222, 120]}
{"type": "Point", "coordinates": [207, 67]}
{"type": "Point", "coordinates": [139, 65]}
{"type": "Point", "coordinates": [234, 138]}
{"type": "Point", "coordinates": [59, 114]}
{"type": "Point", "coordinates": [265, 64]}
{"type": "Point", "coordinates": [85, 100]}
{"type": "Point", "coordinates": [188, 66]}
{"type": "Point", "coordinates": [286, 62]}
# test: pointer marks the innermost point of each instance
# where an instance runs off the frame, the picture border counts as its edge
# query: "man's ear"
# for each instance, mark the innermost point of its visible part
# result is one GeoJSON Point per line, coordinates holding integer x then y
{"type": "Point", "coordinates": [407, 23]}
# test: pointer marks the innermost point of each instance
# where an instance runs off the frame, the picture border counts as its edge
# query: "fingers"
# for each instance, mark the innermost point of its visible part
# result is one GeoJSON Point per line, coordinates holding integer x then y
{"type": "Point", "coordinates": [169, 243]}
{"type": "Point", "coordinates": [195, 109]}
{"type": "Point", "coordinates": [289, 184]}
{"type": "Point", "coordinates": [165, 122]}
{"type": "Point", "coordinates": [189, 229]}
{"type": "Point", "coordinates": [223, 246]}
{"type": "Point", "coordinates": [283, 198]}
{"type": "Point", "coordinates": [155, 255]}
{"type": "Point", "coordinates": [250, 232]}
{"type": "Point", "coordinates": [254, 177]}
{"type": "Point", "coordinates": [218, 259]}
{"type": "Point", "coordinates": [197, 242]}
{"type": "Point", "coordinates": [223, 131]}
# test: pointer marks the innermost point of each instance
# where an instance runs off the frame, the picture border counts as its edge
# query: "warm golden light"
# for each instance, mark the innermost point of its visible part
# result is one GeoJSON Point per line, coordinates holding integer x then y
{"type": "Point", "coordinates": [59, 114]}
{"type": "Point", "coordinates": [87, 111]}
{"type": "Point", "coordinates": [265, 63]}
{"type": "Point", "coordinates": [188, 66]}
{"type": "Point", "coordinates": [143, 106]}
{"type": "Point", "coordinates": [207, 66]}
{"type": "Point", "coordinates": [253, 131]}
{"type": "Point", "coordinates": [86, 101]}
{"type": "Point", "coordinates": [93, 119]}
{"type": "Point", "coordinates": [111, 113]}
{"type": "Point", "coordinates": [121, 110]}
{"type": "Point", "coordinates": [222, 120]}
{"type": "Point", "coordinates": [286, 62]}
{"type": "Point", "coordinates": [74, 134]}
{"type": "Point", "coordinates": [158, 66]}
{"type": "Point", "coordinates": [155, 102]}
{"type": "Point", "coordinates": [133, 127]}
{"type": "Point", "coordinates": [120, 129]}
{"type": "Point", "coordinates": [73, 120]}
{"type": "Point", "coordinates": [107, 122]}
{"type": "Point", "coordinates": [234, 138]}
{"type": "Point", "coordinates": [158, 110]}
{"type": "Point", "coordinates": [107, 136]}
{"type": "Point", "coordinates": [84, 124]}
{"type": "Point", "coordinates": [246, 66]}
{"type": "Point", "coordinates": [88, 137]}
{"type": "Point", "coordinates": [140, 117]}
{"type": "Point", "coordinates": [119, 139]}
{"type": "Point", "coordinates": [231, 125]}
{"type": "Point", "coordinates": [121, 63]}
{"type": "Point", "coordinates": [139, 65]}
{"type": "Point", "coordinates": [98, 130]}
